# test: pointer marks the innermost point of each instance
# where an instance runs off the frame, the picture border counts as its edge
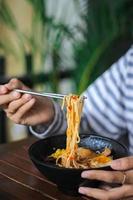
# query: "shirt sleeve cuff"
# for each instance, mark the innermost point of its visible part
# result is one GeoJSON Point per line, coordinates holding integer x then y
{"type": "Point", "coordinates": [44, 130]}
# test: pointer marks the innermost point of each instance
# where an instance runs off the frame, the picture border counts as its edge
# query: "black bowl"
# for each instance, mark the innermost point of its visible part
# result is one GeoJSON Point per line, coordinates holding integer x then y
{"type": "Point", "coordinates": [69, 180]}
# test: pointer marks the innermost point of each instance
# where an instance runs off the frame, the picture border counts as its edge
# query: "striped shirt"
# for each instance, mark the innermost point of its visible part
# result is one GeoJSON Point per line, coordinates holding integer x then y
{"type": "Point", "coordinates": [108, 109]}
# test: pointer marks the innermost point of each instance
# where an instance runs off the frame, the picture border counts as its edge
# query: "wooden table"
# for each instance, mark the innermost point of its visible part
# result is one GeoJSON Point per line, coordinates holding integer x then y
{"type": "Point", "coordinates": [19, 179]}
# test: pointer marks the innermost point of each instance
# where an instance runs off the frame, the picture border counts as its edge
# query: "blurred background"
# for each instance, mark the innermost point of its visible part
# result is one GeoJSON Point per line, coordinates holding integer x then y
{"type": "Point", "coordinates": [60, 45]}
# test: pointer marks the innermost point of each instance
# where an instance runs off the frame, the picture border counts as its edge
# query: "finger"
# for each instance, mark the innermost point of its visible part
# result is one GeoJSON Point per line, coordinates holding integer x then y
{"type": "Point", "coordinates": [106, 176]}
{"type": "Point", "coordinates": [14, 84]}
{"type": "Point", "coordinates": [15, 105]}
{"type": "Point", "coordinates": [18, 117]}
{"type": "Point", "coordinates": [6, 98]}
{"type": "Point", "coordinates": [112, 194]}
{"type": "Point", "coordinates": [3, 89]}
{"type": "Point", "coordinates": [92, 192]}
{"type": "Point", "coordinates": [129, 177]}
{"type": "Point", "coordinates": [123, 163]}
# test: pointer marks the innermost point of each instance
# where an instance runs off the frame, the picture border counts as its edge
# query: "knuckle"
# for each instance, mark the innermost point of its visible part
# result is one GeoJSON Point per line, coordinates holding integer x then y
{"type": "Point", "coordinates": [13, 105]}
{"type": "Point", "coordinates": [8, 114]}
{"type": "Point", "coordinates": [23, 122]}
{"type": "Point", "coordinates": [109, 197]}
{"type": "Point", "coordinates": [10, 109]}
{"type": "Point", "coordinates": [111, 177]}
{"type": "Point", "coordinates": [106, 198]}
{"type": "Point", "coordinates": [128, 189]}
{"type": "Point", "coordinates": [10, 105]}
{"type": "Point", "coordinates": [14, 83]}
{"type": "Point", "coordinates": [14, 80]}
{"type": "Point", "coordinates": [128, 162]}
{"type": "Point", "coordinates": [16, 120]}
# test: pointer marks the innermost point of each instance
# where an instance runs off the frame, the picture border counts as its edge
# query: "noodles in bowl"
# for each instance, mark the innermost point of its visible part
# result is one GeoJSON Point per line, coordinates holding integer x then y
{"type": "Point", "coordinates": [68, 180]}
{"type": "Point", "coordinates": [62, 158]}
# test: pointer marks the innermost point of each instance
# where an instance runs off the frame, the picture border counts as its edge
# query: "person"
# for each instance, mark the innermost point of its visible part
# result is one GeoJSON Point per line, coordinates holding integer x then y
{"type": "Point", "coordinates": [108, 110]}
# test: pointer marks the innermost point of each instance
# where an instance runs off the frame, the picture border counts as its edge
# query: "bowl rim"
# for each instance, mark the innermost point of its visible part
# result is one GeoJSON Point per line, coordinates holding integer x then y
{"type": "Point", "coordinates": [71, 169]}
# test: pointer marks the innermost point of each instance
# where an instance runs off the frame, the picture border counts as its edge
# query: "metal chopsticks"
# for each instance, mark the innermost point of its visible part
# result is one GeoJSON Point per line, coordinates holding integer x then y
{"type": "Point", "coordinates": [52, 95]}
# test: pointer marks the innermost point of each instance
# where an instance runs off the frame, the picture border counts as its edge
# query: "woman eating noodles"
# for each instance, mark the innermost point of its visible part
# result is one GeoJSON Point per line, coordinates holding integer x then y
{"type": "Point", "coordinates": [107, 110]}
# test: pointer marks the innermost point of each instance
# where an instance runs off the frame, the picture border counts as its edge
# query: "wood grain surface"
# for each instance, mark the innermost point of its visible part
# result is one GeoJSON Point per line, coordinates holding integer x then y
{"type": "Point", "coordinates": [19, 179]}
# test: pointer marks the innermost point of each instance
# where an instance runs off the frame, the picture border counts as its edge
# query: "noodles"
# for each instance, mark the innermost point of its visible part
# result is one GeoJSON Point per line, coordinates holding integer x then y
{"type": "Point", "coordinates": [74, 105]}
{"type": "Point", "coordinates": [73, 156]}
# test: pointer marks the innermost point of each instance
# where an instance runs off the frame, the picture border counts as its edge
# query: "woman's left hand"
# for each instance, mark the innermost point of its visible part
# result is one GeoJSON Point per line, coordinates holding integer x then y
{"type": "Point", "coordinates": [122, 175]}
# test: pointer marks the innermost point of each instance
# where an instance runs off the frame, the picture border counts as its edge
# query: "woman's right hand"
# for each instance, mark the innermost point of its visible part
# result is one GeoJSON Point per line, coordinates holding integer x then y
{"type": "Point", "coordinates": [24, 108]}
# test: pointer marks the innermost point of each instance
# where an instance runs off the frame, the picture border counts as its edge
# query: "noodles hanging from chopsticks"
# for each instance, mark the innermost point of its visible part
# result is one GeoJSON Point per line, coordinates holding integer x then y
{"type": "Point", "coordinates": [74, 105]}
{"type": "Point", "coordinates": [73, 156]}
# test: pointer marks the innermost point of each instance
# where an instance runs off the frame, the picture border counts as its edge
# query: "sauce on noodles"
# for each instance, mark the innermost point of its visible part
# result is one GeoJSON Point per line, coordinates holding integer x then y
{"type": "Point", "coordinates": [74, 156]}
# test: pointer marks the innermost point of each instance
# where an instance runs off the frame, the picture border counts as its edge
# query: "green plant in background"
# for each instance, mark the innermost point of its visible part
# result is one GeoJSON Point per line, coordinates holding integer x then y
{"type": "Point", "coordinates": [107, 23]}
{"type": "Point", "coordinates": [103, 24]}
{"type": "Point", "coordinates": [45, 39]}
{"type": "Point", "coordinates": [6, 45]}
{"type": "Point", "coordinates": [51, 34]}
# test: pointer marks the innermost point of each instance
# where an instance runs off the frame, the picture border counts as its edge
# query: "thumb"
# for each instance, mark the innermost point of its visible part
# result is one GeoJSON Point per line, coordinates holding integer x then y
{"type": "Point", "coordinates": [125, 163]}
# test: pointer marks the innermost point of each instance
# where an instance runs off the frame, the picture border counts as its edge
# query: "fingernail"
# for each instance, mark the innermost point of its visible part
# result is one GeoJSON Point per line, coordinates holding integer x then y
{"type": "Point", "coordinates": [81, 190]}
{"type": "Point", "coordinates": [84, 174]}
{"type": "Point", "coordinates": [15, 94]}
{"type": "Point", "coordinates": [115, 164]}
{"type": "Point", "coordinates": [27, 97]}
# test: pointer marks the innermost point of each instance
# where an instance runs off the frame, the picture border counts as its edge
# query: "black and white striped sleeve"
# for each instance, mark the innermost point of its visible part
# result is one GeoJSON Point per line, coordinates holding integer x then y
{"type": "Point", "coordinates": [108, 109]}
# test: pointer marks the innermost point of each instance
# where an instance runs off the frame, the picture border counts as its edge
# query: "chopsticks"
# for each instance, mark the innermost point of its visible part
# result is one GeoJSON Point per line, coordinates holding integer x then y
{"type": "Point", "coordinates": [51, 95]}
